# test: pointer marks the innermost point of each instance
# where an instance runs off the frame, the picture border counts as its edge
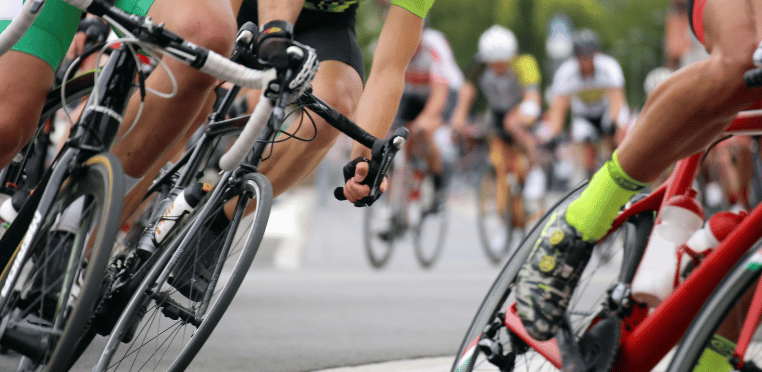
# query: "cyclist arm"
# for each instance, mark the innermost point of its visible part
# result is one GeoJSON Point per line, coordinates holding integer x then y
{"type": "Point", "coordinates": [466, 97]}
{"type": "Point", "coordinates": [557, 114]}
{"type": "Point", "coordinates": [529, 109]}
{"type": "Point", "coordinates": [616, 105]}
{"type": "Point", "coordinates": [378, 102]}
{"type": "Point", "coordinates": [284, 10]}
{"type": "Point", "coordinates": [430, 117]}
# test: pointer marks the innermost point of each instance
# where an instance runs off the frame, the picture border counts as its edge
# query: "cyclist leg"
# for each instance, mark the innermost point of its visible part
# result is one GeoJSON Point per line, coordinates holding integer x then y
{"type": "Point", "coordinates": [339, 82]}
{"type": "Point", "coordinates": [498, 142]}
{"type": "Point", "coordinates": [519, 167]}
{"type": "Point", "coordinates": [208, 23]}
{"type": "Point", "coordinates": [340, 86]}
{"type": "Point", "coordinates": [681, 116]}
{"type": "Point", "coordinates": [22, 95]}
{"type": "Point", "coordinates": [28, 72]}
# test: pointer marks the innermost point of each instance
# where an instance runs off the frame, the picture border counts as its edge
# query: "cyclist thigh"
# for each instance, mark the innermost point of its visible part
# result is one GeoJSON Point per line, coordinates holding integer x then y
{"type": "Point", "coordinates": [209, 23]}
{"type": "Point", "coordinates": [500, 155]}
{"type": "Point", "coordinates": [24, 84]}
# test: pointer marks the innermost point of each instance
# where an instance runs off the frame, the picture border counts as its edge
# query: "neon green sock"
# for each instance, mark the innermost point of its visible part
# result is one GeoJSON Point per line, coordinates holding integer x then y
{"type": "Point", "coordinates": [595, 210]}
{"type": "Point", "coordinates": [715, 356]}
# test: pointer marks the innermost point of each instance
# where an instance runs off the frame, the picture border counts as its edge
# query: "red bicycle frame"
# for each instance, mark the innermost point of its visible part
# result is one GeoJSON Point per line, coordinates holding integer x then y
{"type": "Point", "coordinates": [647, 338]}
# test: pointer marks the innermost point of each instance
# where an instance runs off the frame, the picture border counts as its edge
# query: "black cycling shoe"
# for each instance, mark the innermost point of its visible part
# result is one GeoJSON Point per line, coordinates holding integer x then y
{"type": "Point", "coordinates": [548, 278]}
{"type": "Point", "coordinates": [193, 272]}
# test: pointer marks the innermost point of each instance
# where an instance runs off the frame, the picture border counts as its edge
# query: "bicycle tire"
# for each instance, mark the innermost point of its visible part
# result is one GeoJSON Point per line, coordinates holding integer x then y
{"type": "Point", "coordinates": [379, 248]}
{"type": "Point", "coordinates": [430, 233]}
{"type": "Point", "coordinates": [701, 333]}
{"type": "Point", "coordinates": [491, 225]}
{"type": "Point", "coordinates": [582, 310]}
{"type": "Point", "coordinates": [99, 182]}
{"type": "Point", "coordinates": [152, 308]}
{"type": "Point", "coordinates": [385, 222]}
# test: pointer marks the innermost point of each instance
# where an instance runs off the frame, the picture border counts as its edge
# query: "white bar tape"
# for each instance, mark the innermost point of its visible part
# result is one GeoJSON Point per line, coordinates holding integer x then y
{"type": "Point", "coordinates": [13, 33]}
{"type": "Point", "coordinates": [249, 135]}
{"type": "Point", "coordinates": [225, 69]}
{"type": "Point", "coordinates": [81, 4]}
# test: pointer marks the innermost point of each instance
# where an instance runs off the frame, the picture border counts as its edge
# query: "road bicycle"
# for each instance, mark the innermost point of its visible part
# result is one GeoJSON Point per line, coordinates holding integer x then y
{"type": "Point", "coordinates": [605, 328]}
{"type": "Point", "coordinates": [409, 208]}
{"type": "Point", "coordinates": [63, 285]}
{"type": "Point", "coordinates": [498, 229]}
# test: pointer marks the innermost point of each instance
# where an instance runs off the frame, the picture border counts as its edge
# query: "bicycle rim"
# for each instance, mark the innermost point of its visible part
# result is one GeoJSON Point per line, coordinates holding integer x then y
{"type": "Point", "coordinates": [711, 339]}
{"type": "Point", "coordinates": [430, 233]}
{"type": "Point", "coordinates": [602, 271]}
{"type": "Point", "coordinates": [495, 231]}
{"type": "Point", "coordinates": [383, 224]}
{"type": "Point", "coordinates": [61, 278]}
{"type": "Point", "coordinates": [157, 338]}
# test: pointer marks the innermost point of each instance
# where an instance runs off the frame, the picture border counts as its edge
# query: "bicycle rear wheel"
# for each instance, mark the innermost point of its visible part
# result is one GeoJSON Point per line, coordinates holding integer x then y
{"type": "Point", "coordinates": [60, 272]}
{"type": "Point", "coordinates": [711, 339]}
{"type": "Point", "coordinates": [430, 231]}
{"type": "Point", "coordinates": [488, 326]}
{"type": "Point", "coordinates": [495, 227]}
{"type": "Point", "coordinates": [162, 329]}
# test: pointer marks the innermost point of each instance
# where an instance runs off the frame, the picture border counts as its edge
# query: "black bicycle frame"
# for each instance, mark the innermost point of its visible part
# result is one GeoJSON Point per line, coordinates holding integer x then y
{"type": "Point", "coordinates": [95, 133]}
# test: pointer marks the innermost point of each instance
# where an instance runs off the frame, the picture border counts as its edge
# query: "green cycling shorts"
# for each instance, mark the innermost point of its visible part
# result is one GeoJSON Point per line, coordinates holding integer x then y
{"type": "Point", "coordinates": [53, 30]}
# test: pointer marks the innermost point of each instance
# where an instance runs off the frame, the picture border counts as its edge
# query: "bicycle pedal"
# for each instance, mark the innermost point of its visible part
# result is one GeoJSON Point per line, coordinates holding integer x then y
{"type": "Point", "coordinates": [595, 351]}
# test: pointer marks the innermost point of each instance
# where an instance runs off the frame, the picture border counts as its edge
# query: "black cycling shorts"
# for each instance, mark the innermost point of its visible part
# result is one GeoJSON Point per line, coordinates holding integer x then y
{"type": "Point", "coordinates": [497, 118]}
{"type": "Point", "coordinates": [411, 106]}
{"type": "Point", "coordinates": [331, 34]}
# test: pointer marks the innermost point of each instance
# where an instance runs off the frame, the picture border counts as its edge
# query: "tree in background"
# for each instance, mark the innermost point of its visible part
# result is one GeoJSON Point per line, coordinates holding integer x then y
{"type": "Point", "coordinates": [631, 30]}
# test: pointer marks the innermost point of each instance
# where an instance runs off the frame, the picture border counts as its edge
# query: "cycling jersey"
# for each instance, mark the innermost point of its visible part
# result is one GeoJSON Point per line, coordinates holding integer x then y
{"type": "Point", "coordinates": [332, 34]}
{"type": "Point", "coordinates": [433, 62]}
{"type": "Point", "coordinates": [696, 17]}
{"type": "Point", "coordinates": [417, 7]}
{"type": "Point", "coordinates": [588, 93]}
{"type": "Point", "coordinates": [51, 33]}
{"type": "Point", "coordinates": [505, 91]}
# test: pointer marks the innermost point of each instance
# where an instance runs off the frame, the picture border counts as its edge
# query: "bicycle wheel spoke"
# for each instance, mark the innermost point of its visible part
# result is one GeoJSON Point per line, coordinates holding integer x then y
{"type": "Point", "coordinates": [182, 311]}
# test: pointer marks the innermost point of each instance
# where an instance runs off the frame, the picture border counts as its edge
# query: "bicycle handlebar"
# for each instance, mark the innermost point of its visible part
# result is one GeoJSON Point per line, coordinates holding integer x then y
{"type": "Point", "coordinates": [18, 27]}
{"type": "Point", "coordinates": [250, 133]}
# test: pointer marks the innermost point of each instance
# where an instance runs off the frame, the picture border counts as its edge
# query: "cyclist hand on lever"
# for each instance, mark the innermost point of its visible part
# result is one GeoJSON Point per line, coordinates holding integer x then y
{"type": "Point", "coordinates": [338, 82]}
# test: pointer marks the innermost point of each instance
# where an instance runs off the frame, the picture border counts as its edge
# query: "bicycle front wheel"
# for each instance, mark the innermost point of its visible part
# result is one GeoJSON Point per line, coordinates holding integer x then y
{"type": "Point", "coordinates": [166, 323]}
{"type": "Point", "coordinates": [383, 224]}
{"type": "Point", "coordinates": [488, 329]}
{"type": "Point", "coordinates": [495, 228]}
{"type": "Point", "coordinates": [430, 231]}
{"type": "Point", "coordinates": [54, 280]}
{"type": "Point", "coordinates": [710, 342]}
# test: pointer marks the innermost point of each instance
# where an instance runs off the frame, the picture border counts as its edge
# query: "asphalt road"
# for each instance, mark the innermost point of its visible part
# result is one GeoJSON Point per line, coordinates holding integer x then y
{"type": "Point", "coordinates": [331, 309]}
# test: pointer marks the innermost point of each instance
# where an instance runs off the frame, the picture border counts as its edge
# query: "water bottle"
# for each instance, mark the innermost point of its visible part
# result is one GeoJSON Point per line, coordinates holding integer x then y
{"type": "Point", "coordinates": [704, 240]}
{"type": "Point", "coordinates": [9, 209]}
{"type": "Point", "coordinates": [680, 217]}
{"type": "Point", "coordinates": [183, 204]}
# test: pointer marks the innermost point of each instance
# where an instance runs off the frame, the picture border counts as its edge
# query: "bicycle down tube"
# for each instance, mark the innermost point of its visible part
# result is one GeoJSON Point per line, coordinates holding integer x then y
{"type": "Point", "coordinates": [647, 338]}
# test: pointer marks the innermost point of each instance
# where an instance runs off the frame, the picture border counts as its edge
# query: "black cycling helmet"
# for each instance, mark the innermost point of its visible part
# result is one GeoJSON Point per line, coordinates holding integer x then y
{"type": "Point", "coordinates": [586, 42]}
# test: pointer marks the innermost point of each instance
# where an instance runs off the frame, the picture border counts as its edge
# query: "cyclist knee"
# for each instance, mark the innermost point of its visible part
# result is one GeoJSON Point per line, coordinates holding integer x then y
{"type": "Point", "coordinates": [340, 99]}
{"type": "Point", "coordinates": [15, 132]}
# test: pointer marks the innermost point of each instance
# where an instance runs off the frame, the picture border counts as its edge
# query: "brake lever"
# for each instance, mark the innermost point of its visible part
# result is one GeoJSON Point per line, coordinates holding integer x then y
{"type": "Point", "coordinates": [385, 157]}
{"type": "Point", "coordinates": [279, 110]}
{"type": "Point", "coordinates": [382, 155]}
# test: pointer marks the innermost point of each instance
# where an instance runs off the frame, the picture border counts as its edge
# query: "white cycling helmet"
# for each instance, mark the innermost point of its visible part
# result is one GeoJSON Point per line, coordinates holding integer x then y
{"type": "Point", "coordinates": [497, 44]}
{"type": "Point", "coordinates": [654, 78]}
